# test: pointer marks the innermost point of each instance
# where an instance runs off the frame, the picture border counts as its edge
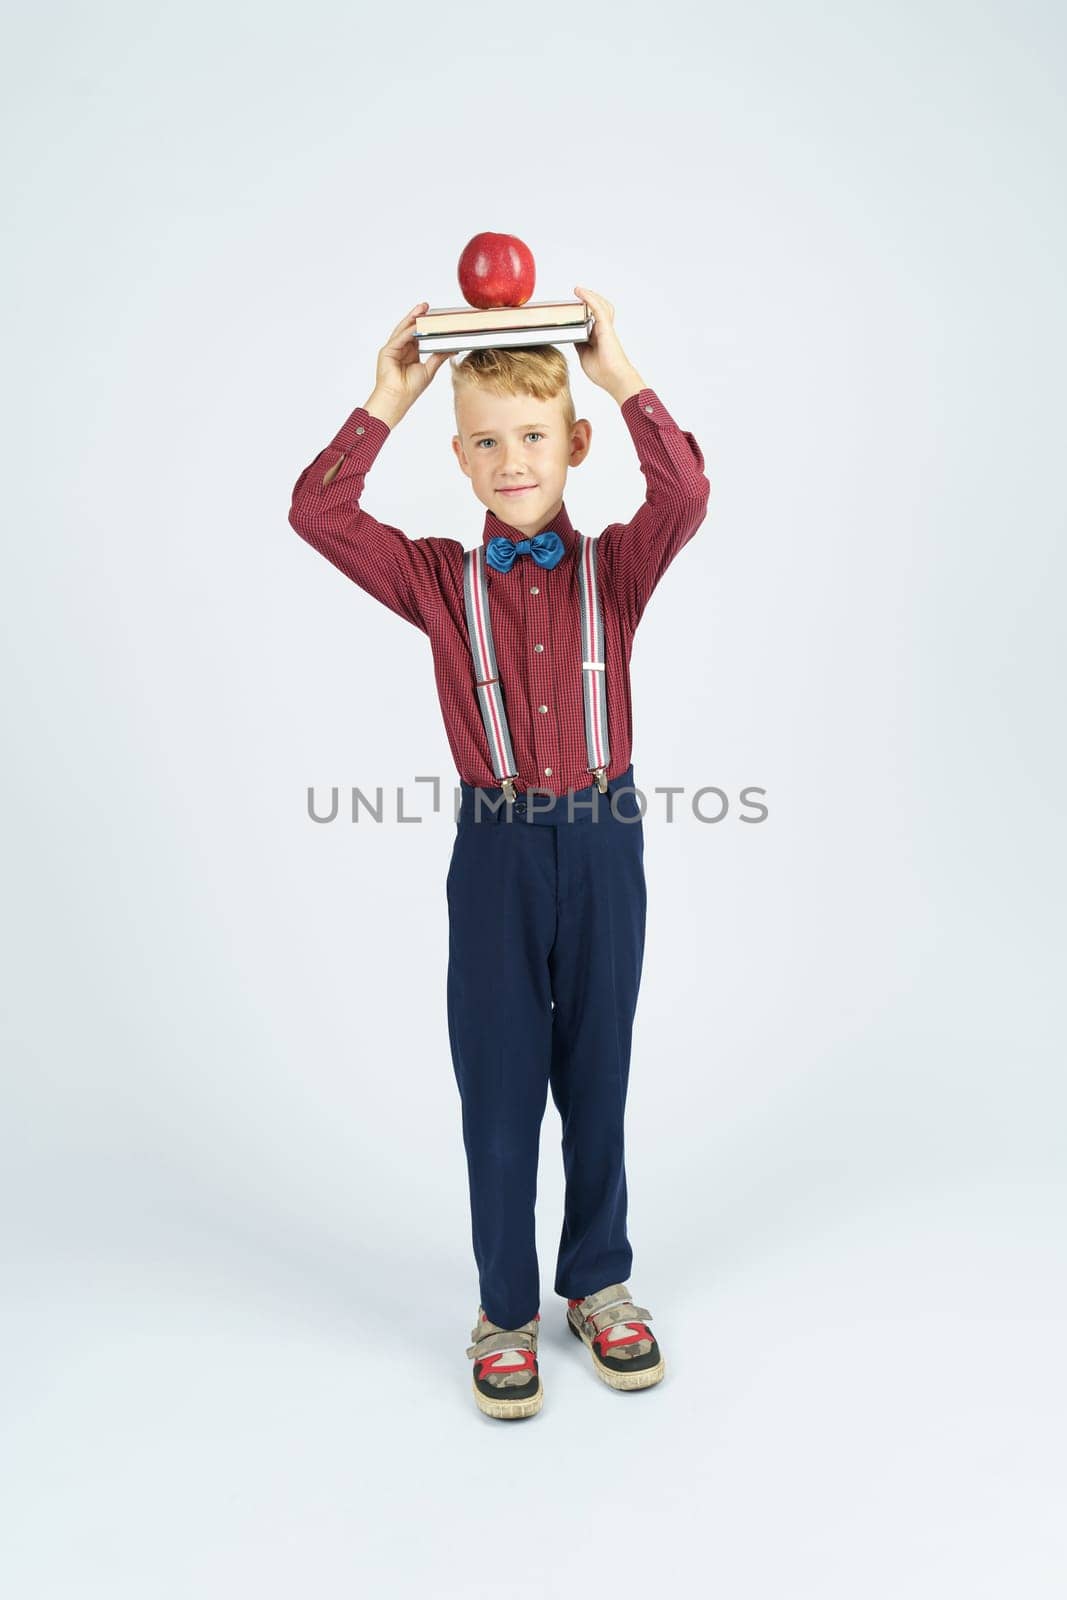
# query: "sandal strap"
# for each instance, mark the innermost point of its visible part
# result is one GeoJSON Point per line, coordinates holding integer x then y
{"type": "Point", "coordinates": [502, 1341]}
{"type": "Point", "coordinates": [488, 1336]}
{"type": "Point", "coordinates": [600, 1321]}
{"type": "Point", "coordinates": [614, 1293]}
{"type": "Point", "coordinates": [608, 1306]}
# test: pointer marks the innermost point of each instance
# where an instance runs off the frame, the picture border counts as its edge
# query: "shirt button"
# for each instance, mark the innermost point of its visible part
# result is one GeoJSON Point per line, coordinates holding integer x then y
{"type": "Point", "coordinates": [542, 708]}
{"type": "Point", "coordinates": [534, 589]}
{"type": "Point", "coordinates": [539, 647]}
{"type": "Point", "coordinates": [548, 772]}
{"type": "Point", "coordinates": [361, 430]}
{"type": "Point", "coordinates": [649, 409]}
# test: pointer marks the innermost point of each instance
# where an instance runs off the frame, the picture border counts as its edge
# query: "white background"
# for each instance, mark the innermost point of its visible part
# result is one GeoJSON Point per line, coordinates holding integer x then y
{"type": "Point", "coordinates": [238, 1281]}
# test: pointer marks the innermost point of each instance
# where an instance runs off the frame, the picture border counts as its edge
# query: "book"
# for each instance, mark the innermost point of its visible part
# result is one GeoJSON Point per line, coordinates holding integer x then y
{"type": "Point", "coordinates": [505, 338]}
{"type": "Point", "coordinates": [474, 319]}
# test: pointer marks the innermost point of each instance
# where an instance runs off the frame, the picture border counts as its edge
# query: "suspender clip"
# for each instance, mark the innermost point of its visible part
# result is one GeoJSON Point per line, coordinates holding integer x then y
{"type": "Point", "coordinates": [601, 779]}
{"type": "Point", "coordinates": [508, 786]}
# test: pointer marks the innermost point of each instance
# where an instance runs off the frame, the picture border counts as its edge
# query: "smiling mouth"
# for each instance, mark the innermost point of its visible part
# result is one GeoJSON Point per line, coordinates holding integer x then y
{"type": "Point", "coordinates": [520, 488]}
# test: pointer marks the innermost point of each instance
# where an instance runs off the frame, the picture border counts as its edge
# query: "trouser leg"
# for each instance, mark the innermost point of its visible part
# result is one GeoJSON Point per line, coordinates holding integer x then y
{"type": "Point", "coordinates": [502, 909]}
{"type": "Point", "coordinates": [596, 972]}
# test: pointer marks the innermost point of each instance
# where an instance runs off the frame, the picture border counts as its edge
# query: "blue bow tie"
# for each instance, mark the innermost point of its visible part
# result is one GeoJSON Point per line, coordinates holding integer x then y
{"type": "Point", "coordinates": [546, 549]}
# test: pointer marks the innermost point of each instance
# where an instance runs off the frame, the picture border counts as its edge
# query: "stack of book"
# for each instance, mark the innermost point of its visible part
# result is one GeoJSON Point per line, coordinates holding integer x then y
{"type": "Point", "coordinates": [503, 327]}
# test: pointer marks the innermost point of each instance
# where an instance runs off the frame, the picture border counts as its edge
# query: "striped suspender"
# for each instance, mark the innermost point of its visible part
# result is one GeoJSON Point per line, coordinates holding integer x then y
{"type": "Point", "coordinates": [487, 676]}
{"type": "Point", "coordinates": [594, 671]}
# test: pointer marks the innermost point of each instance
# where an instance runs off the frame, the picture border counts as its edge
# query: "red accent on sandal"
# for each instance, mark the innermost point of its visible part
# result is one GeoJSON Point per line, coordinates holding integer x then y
{"type": "Point", "coordinates": [606, 1345]}
{"type": "Point", "coordinates": [527, 1364]}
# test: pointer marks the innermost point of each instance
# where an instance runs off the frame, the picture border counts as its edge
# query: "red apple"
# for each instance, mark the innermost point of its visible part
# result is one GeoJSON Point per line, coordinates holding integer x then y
{"type": "Point", "coordinates": [496, 269]}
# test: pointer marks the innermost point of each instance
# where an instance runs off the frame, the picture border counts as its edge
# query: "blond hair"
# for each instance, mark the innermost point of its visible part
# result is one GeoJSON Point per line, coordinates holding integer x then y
{"type": "Point", "coordinates": [539, 370]}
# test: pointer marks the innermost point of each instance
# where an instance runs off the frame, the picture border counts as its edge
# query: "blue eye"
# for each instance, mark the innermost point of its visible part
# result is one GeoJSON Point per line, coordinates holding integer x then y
{"type": "Point", "coordinates": [533, 434]}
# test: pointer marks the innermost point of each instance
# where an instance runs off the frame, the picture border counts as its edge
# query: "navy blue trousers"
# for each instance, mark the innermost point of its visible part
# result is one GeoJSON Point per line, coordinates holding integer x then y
{"type": "Point", "coordinates": [546, 915]}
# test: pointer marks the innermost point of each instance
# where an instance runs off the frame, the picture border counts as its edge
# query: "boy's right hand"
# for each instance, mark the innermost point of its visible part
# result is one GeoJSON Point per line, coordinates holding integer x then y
{"type": "Point", "coordinates": [401, 376]}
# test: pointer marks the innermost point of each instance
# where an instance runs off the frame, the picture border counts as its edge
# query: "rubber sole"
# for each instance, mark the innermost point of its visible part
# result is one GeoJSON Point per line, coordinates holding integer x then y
{"type": "Point", "coordinates": [509, 1410]}
{"type": "Point", "coordinates": [620, 1380]}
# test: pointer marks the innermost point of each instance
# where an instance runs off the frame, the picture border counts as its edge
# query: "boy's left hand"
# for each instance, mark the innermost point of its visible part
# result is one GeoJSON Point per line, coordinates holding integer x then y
{"type": "Point", "coordinates": [603, 359]}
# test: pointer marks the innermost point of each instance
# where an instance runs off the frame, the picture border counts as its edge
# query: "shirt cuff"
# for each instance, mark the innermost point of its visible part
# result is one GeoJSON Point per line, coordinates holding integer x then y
{"type": "Point", "coordinates": [361, 437]}
{"type": "Point", "coordinates": [644, 412]}
{"type": "Point", "coordinates": [646, 407]}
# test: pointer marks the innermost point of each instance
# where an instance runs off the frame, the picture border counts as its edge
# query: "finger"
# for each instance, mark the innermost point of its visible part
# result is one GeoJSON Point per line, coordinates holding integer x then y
{"type": "Point", "coordinates": [597, 301]}
{"type": "Point", "coordinates": [405, 322]}
{"type": "Point", "coordinates": [402, 339]}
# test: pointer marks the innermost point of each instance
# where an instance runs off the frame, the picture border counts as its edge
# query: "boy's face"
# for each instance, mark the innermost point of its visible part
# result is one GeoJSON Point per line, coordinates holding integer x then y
{"type": "Point", "coordinates": [517, 442]}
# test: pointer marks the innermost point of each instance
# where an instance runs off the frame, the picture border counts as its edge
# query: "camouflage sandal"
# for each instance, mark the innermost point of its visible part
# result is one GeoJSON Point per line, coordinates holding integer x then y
{"type": "Point", "coordinates": [506, 1380]}
{"type": "Point", "coordinates": [625, 1353]}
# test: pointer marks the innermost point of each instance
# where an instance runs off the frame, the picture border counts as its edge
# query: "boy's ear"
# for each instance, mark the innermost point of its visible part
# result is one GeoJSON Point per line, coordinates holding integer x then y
{"type": "Point", "coordinates": [457, 450]}
{"type": "Point", "coordinates": [581, 440]}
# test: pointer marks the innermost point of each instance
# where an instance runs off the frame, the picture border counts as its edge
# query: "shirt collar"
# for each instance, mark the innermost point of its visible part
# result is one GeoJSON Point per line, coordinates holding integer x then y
{"type": "Point", "coordinates": [560, 523]}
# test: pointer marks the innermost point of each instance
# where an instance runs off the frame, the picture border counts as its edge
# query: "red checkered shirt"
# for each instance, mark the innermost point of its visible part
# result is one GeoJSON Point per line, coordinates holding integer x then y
{"type": "Point", "coordinates": [529, 606]}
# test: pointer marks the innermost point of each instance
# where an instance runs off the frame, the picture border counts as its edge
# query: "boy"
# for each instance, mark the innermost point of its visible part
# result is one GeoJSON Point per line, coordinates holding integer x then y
{"type": "Point", "coordinates": [531, 636]}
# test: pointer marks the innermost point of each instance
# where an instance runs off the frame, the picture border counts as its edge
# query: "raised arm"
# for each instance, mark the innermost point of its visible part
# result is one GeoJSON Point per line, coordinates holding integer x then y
{"type": "Point", "coordinates": [634, 555]}
{"type": "Point", "coordinates": [325, 509]}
